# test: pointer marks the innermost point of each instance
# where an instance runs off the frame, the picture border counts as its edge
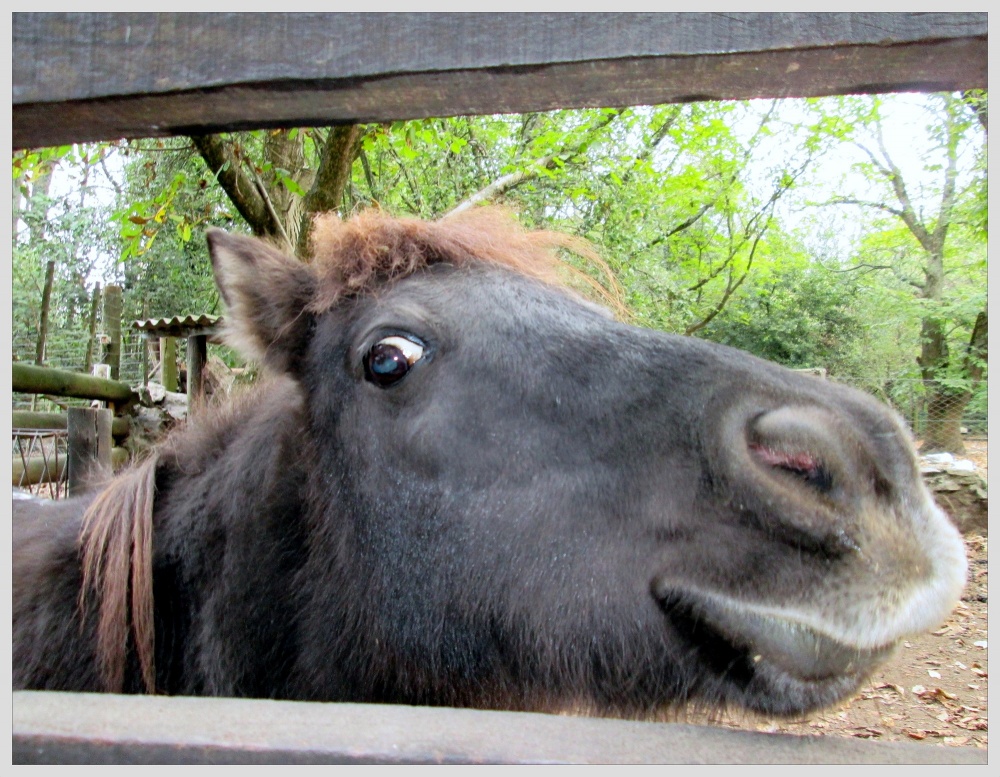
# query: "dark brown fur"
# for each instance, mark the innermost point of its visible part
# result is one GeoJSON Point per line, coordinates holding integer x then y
{"type": "Point", "coordinates": [547, 507]}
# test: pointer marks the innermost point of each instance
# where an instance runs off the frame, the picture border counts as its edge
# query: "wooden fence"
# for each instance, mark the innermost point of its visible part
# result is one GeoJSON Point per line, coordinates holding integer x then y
{"type": "Point", "coordinates": [83, 435]}
{"type": "Point", "coordinates": [90, 76]}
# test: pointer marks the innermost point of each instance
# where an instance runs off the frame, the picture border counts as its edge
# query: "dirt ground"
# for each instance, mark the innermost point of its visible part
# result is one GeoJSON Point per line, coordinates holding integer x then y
{"type": "Point", "coordinates": [935, 687]}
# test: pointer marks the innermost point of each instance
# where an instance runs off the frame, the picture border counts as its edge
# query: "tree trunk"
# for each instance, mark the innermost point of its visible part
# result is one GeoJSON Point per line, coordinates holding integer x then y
{"type": "Point", "coordinates": [327, 192]}
{"type": "Point", "coordinates": [246, 192]}
{"type": "Point", "coordinates": [88, 361]}
{"type": "Point", "coordinates": [945, 408]}
{"type": "Point", "coordinates": [43, 319]}
{"type": "Point", "coordinates": [285, 151]}
{"type": "Point", "coordinates": [946, 405]}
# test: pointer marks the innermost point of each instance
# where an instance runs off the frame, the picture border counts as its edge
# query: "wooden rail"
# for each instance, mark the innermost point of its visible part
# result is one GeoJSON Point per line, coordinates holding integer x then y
{"type": "Point", "coordinates": [90, 456]}
{"type": "Point", "coordinates": [90, 728]}
{"type": "Point", "coordinates": [24, 419]}
{"type": "Point", "coordinates": [29, 379]}
{"type": "Point", "coordinates": [89, 76]}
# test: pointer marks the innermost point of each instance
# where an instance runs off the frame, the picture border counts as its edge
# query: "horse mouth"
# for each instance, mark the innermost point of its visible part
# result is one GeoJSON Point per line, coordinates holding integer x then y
{"type": "Point", "coordinates": [758, 651]}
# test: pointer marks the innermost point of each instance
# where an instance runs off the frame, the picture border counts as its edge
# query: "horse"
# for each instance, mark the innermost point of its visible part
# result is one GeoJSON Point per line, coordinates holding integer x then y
{"type": "Point", "coordinates": [464, 480]}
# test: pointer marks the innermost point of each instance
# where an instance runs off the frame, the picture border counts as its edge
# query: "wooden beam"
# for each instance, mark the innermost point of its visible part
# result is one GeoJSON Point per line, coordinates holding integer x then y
{"type": "Point", "coordinates": [29, 379]}
{"type": "Point", "coordinates": [197, 356]}
{"type": "Point", "coordinates": [24, 419]}
{"type": "Point", "coordinates": [51, 727]}
{"type": "Point", "coordinates": [168, 363]}
{"type": "Point", "coordinates": [40, 469]}
{"type": "Point", "coordinates": [92, 76]}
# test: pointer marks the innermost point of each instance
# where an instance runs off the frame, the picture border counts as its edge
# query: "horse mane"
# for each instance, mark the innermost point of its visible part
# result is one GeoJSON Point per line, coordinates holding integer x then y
{"type": "Point", "coordinates": [116, 551]}
{"type": "Point", "coordinates": [356, 256]}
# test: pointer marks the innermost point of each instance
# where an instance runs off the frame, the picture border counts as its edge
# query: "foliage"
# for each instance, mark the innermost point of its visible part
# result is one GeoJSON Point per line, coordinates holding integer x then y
{"type": "Point", "coordinates": [714, 217]}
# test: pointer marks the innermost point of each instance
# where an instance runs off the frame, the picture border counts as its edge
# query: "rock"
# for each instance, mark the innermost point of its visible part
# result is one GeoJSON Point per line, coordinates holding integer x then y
{"type": "Point", "coordinates": [157, 392]}
{"type": "Point", "coordinates": [176, 405]}
{"type": "Point", "coordinates": [960, 492]}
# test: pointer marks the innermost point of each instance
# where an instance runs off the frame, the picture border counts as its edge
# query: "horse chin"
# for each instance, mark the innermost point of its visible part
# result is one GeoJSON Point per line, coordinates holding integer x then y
{"type": "Point", "coordinates": [765, 662]}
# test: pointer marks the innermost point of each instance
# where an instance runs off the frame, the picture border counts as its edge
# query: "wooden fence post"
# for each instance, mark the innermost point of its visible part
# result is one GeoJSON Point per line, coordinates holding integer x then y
{"type": "Point", "coordinates": [197, 354]}
{"type": "Point", "coordinates": [89, 447]}
{"type": "Point", "coordinates": [88, 361]}
{"type": "Point", "coordinates": [168, 363]}
{"type": "Point", "coordinates": [113, 328]}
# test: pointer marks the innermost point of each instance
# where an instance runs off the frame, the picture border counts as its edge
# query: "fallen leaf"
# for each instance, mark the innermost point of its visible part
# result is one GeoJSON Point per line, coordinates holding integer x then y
{"type": "Point", "coordinates": [933, 694]}
{"type": "Point", "coordinates": [976, 724]}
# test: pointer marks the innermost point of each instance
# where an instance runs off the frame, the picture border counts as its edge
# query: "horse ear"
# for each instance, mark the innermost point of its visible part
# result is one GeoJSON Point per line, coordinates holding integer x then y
{"type": "Point", "coordinates": [266, 294]}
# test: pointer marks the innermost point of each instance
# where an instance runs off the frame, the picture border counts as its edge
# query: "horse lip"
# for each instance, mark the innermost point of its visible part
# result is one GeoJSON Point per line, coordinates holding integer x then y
{"type": "Point", "coordinates": [795, 649]}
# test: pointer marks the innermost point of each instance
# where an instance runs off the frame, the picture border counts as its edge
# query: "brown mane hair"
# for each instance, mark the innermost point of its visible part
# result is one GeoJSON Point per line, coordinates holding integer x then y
{"type": "Point", "coordinates": [349, 258]}
{"type": "Point", "coordinates": [116, 551]}
{"type": "Point", "coordinates": [360, 254]}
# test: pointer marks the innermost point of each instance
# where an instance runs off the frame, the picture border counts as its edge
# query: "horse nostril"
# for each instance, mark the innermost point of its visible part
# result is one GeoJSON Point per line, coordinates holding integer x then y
{"type": "Point", "coordinates": [801, 464]}
{"type": "Point", "coordinates": [801, 442]}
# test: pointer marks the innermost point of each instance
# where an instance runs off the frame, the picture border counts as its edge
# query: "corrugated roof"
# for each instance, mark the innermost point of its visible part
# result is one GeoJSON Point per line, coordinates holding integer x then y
{"type": "Point", "coordinates": [180, 326]}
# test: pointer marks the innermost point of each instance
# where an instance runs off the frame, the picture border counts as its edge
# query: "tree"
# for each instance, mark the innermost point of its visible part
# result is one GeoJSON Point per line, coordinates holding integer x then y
{"type": "Point", "coordinates": [690, 204]}
{"type": "Point", "coordinates": [953, 344]}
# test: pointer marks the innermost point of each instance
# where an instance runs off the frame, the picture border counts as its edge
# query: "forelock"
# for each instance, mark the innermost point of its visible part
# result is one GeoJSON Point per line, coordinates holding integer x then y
{"type": "Point", "coordinates": [356, 256]}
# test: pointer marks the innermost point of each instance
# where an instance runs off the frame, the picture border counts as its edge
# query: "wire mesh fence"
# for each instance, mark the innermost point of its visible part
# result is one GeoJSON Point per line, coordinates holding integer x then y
{"type": "Point", "coordinates": [40, 458]}
{"type": "Point", "coordinates": [927, 412]}
{"type": "Point", "coordinates": [68, 351]}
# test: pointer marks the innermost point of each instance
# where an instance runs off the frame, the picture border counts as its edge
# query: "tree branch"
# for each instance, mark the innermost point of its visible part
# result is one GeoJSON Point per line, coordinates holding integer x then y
{"type": "Point", "coordinates": [534, 169]}
{"type": "Point", "coordinates": [863, 203]}
{"type": "Point", "coordinates": [327, 192]}
{"type": "Point", "coordinates": [241, 189]}
{"type": "Point", "coordinates": [503, 184]}
{"type": "Point", "coordinates": [907, 214]}
{"type": "Point", "coordinates": [369, 178]}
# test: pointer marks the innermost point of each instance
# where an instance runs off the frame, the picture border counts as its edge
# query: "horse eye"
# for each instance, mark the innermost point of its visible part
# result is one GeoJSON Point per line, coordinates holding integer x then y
{"type": "Point", "coordinates": [388, 361]}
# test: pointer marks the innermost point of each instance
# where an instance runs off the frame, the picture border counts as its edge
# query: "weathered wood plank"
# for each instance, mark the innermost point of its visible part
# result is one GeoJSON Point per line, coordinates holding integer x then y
{"type": "Point", "coordinates": [197, 356]}
{"type": "Point", "coordinates": [50, 727]}
{"type": "Point", "coordinates": [88, 448]}
{"type": "Point", "coordinates": [100, 76]}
